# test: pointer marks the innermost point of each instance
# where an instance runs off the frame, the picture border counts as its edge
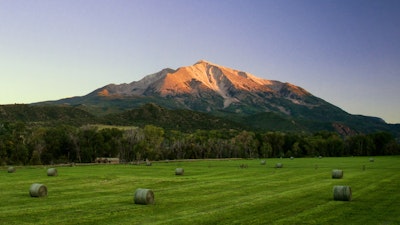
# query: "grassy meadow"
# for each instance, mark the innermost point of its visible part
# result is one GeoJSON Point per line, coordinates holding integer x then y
{"type": "Point", "coordinates": [209, 192]}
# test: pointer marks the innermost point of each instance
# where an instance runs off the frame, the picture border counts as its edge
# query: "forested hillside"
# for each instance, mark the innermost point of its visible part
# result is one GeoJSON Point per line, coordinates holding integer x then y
{"type": "Point", "coordinates": [53, 134]}
{"type": "Point", "coordinates": [45, 114]}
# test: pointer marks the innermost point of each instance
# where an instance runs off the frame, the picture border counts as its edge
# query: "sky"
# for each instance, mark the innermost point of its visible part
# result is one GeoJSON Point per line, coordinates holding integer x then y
{"type": "Point", "coordinates": [346, 52]}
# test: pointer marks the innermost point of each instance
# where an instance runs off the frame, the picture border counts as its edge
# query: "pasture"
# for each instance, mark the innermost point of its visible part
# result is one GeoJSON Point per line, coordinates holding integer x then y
{"type": "Point", "coordinates": [209, 192]}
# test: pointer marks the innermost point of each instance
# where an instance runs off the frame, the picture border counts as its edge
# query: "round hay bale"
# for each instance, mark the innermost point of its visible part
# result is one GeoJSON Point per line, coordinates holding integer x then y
{"type": "Point", "coordinates": [179, 171]}
{"type": "Point", "coordinates": [337, 174]}
{"type": "Point", "coordinates": [144, 196]}
{"type": "Point", "coordinates": [291, 157]}
{"type": "Point", "coordinates": [11, 169]}
{"type": "Point", "coordinates": [278, 165]}
{"type": "Point", "coordinates": [38, 190]}
{"type": "Point", "coordinates": [263, 162]}
{"type": "Point", "coordinates": [148, 162]}
{"type": "Point", "coordinates": [243, 166]}
{"type": "Point", "coordinates": [371, 159]}
{"type": "Point", "coordinates": [342, 193]}
{"type": "Point", "coordinates": [52, 172]}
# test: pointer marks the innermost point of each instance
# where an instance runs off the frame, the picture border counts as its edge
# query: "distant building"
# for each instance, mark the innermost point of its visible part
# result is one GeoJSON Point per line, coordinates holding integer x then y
{"type": "Point", "coordinates": [107, 160]}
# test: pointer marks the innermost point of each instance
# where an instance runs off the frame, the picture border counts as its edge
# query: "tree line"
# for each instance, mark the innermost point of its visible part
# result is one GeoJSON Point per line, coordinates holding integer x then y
{"type": "Point", "coordinates": [23, 144]}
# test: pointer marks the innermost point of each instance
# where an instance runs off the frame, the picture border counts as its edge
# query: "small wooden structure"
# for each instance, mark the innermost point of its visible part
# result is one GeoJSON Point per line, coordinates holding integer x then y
{"type": "Point", "coordinates": [107, 160]}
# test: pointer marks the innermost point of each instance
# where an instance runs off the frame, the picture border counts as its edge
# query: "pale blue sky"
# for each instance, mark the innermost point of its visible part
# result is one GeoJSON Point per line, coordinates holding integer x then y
{"type": "Point", "coordinates": [346, 52]}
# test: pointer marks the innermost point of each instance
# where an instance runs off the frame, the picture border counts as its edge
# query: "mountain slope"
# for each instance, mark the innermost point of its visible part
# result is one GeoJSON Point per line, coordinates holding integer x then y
{"type": "Point", "coordinates": [45, 114]}
{"type": "Point", "coordinates": [178, 119]}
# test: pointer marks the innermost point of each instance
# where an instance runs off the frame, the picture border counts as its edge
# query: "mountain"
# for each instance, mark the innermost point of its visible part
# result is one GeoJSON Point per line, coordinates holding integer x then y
{"type": "Point", "coordinates": [208, 87]}
{"type": "Point", "coordinates": [236, 95]}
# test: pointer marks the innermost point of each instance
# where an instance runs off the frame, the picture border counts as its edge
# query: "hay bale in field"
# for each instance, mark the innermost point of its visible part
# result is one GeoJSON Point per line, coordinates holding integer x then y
{"type": "Point", "coordinates": [148, 163]}
{"type": "Point", "coordinates": [243, 166]}
{"type": "Point", "coordinates": [144, 196]}
{"type": "Point", "coordinates": [278, 165]}
{"type": "Point", "coordinates": [263, 162]}
{"type": "Point", "coordinates": [291, 157]}
{"type": "Point", "coordinates": [371, 159]}
{"type": "Point", "coordinates": [52, 172]}
{"type": "Point", "coordinates": [337, 174]}
{"type": "Point", "coordinates": [342, 193]}
{"type": "Point", "coordinates": [179, 171]}
{"type": "Point", "coordinates": [38, 190]}
{"type": "Point", "coordinates": [11, 169]}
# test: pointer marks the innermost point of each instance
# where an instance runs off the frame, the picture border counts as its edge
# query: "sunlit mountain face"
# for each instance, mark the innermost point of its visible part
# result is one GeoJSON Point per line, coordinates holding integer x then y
{"type": "Point", "coordinates": [211, 85]}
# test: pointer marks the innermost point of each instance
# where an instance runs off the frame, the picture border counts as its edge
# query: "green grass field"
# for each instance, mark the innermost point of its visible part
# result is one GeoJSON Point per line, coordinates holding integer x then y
{"type": "Point", "coordinates": [209, 192]}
